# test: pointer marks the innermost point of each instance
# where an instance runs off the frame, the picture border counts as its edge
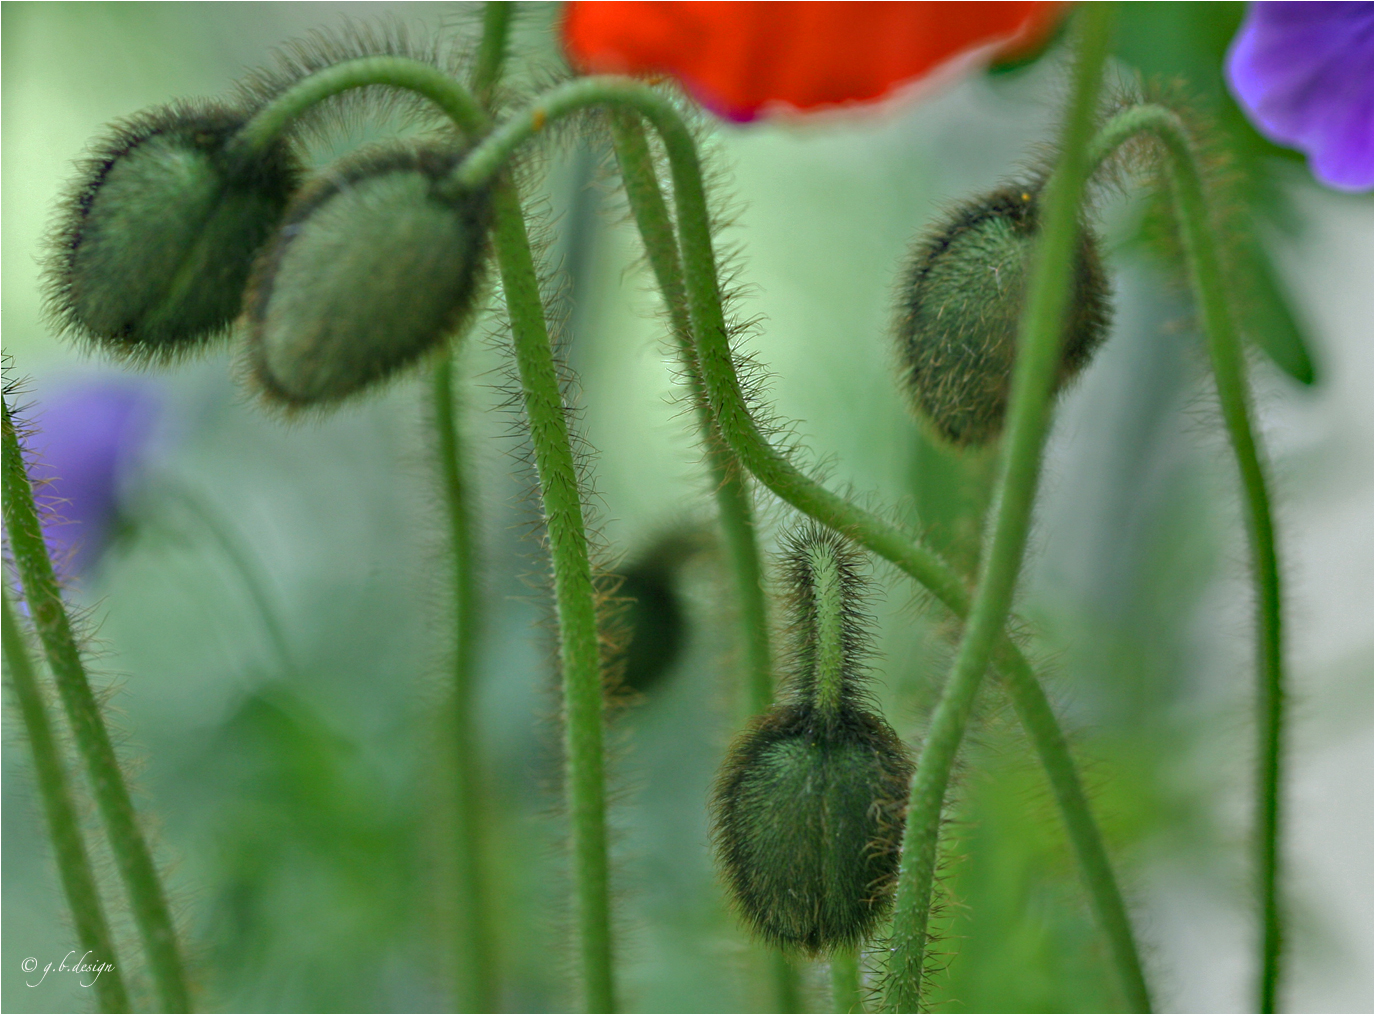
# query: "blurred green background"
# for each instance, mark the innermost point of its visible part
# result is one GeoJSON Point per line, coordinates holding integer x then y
{"type": "Point", "coordinates": [296, 785]}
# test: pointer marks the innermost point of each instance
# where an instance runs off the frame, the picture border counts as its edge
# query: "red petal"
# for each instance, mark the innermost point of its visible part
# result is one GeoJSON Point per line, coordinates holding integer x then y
{"type": "Point", "coordinates": [739, 57]}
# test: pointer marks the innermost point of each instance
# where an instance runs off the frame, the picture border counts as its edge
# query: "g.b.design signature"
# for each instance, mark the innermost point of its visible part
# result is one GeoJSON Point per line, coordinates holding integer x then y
{"type": "Point", "coordinates": [84, 965]}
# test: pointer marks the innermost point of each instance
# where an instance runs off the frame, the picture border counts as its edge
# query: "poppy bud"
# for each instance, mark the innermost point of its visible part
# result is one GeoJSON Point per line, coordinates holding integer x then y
{"type": "Point", "coordinates": [373, 267]}
{"type": "Point", "coordinates": [647, 615]}
{"type": "Point", "coordinates": [808, 809]}
{"type": "Point", "coordinates": [962, 301]}
{"type": "Point", "coordinates": [154, 249]}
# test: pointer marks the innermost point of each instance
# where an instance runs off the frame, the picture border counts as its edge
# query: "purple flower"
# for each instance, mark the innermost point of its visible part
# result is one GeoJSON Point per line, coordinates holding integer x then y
{"type": "Point", "coordinates": [86, 438]}
{"type": "Point", "coordinates": [1302, 72]}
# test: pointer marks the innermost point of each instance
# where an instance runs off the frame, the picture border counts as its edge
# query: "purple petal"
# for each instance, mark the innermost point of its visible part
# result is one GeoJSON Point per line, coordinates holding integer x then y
{"type": "Point", "coordinates": [86, 437]}
{"type": "Point", "coordinates": [1303, 74]}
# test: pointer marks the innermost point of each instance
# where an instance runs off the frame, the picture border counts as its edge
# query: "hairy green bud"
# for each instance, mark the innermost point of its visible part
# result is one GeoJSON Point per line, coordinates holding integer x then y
{"type": "Point", "coordinates": [808, 808]}
{"type": "Point", "coordinates": [961, 303]}
{"type": "Point", "coordinates": [158, 234]}
{"type": "Point", "coordinates": [374, 267]}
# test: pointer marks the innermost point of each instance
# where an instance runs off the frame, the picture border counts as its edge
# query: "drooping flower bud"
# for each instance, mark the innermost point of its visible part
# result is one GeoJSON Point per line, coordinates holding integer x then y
{"type": "Point", "coordinates": [808, 809]}
{"type": "Point", "coordinates": [961, 304]}
{"type": "Point", "coordinates": [154, 247]}
{"type": "Point", "coordinates": [376, 265]}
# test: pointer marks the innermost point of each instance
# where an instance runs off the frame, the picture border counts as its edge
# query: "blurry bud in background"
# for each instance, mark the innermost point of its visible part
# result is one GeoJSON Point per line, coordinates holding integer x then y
{"type": "Point", "coordinates": [157, 235]}
{"type": "Point", "coordinates": [961, 305]}
{"type": "Point", "coordinates": [376, 265]}
{"type": "Point", "coordinates": [88, 442]}
{"type": "Point", "coordinates": [647, 612]}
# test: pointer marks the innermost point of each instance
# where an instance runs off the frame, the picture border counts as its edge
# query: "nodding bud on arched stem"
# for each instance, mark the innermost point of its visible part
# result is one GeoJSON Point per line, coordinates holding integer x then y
{"type": "Point", "coordinates": [961, 299]}
{"type": "Point", "coordinates": [808, 807]}
{"type": "Point", "coordinates": [775, 471]}
{"type": "Point", "coordinates": [372, 269]}
{"type": "Point", "coordinates": [157, 234]}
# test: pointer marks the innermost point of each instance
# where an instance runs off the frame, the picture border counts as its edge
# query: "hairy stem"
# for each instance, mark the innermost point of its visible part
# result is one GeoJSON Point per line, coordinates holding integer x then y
{"type": "Point", "coordinates": [775, 471]}
{"type": "Point", "coordinates": [563, 509]}
{"type": "Point", "coordinates": [828, 641]}
{"type": "Point", "coordinates": [492, 50]}
{"type": "Point", "coordinates": [573, 594]}
{"type": "Point", "coordinates": [733, 500]}
{"type": "Point", "coordinates": [1229, 367]}
{"type": "Point", "coordinates": [477, 989]}
{"type": "Point", "coordinates": [651, 214]}
{"type": "Point", "coordinates": [845, 981]}
{"type": "Point", "coordinates": [395, 71]}
{"type": "Point", "coordinates": [69, 847]}
{"type": "Point", "coordinates": [475, 974]}
{"type": "Point", "coordinates": [127, 844]}
{"type": "Point", "coordinates": [1041, 333]}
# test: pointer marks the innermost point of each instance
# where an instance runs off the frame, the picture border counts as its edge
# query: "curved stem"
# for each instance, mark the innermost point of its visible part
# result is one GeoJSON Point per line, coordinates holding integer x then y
{"type": "Point", "coordinates": [477, 989]}
{"type": "Point", "coordinates": [475, 974]}
{"type": "Point", "coordinates": [1040, 336]}
{"type": "Point", "coordinates": [1038, 719]}
{"type": "Point", "coordinates": [729, 485]}
{"type": "Point", "coordinates": [396, 71]}
{"type": "Point", "coordinates": [573, 593]}
{"type": "Point", "coordinates": [69, 847]}
{"type": "Point", "coordinates": [776, 472]}
{"type": "Point", "coordinates": [130, 850]}
{"type": "Point", "coordinates": [1229, 367]}
{"type": "Point", "coordinates": [733, 499]}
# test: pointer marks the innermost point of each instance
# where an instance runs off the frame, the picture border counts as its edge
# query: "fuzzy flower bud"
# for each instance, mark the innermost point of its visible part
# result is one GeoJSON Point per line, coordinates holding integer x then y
{"type": "Point", "coordinates": [808, 808]}
{"type": "Point", "coordinates": [158, 235]}
{"type": "Point", "coordinates": [373, 268]}
{"type": "Point", "coordinates": [961, 305]}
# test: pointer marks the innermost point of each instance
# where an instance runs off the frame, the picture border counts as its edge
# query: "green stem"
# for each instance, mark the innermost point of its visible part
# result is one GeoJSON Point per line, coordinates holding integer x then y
{"type": "Point", "coordinates": [130, 850]}
{"type": "Point", "coordinates": [477, 989]}
{"type": "Point", "coordinates": [733, 499]}
{"type": "Point", "coordinates": [845, 981]}
{"type": "Point", "coordinates": [73, 863]}
{"type": "Point", "coordinates": [1043, 729]}
{"type": "Point", "coordinates": [775, 471]}
{"type": "Point", "coordinates": [573, 588]}
{"type": "Point", "coordinates": [1229, 366]}
{"type": "Point", "coordinates": [1039, 351]}
{"type": "Point", "coordinates": [492, 50]}
{"type": "Point", "coordinates": [573, 593]}
{"type": "Point", "coordinates": [728, 484]}
{"type": "Point", "coordinates": [788, 983]}
{"type": "Point", "coordinates": [475, 980]}
{"type": "Point", "coordinates": [395, 71]}
{"type": "Point", "coordinates": [828, 678]}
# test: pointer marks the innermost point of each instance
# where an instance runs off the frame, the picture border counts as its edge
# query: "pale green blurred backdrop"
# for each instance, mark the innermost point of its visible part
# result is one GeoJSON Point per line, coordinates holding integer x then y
{"type": "Point", "coordinates": [296, 792]}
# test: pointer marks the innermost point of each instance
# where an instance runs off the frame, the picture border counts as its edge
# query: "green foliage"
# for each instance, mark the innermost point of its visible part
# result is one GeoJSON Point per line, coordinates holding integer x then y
{"type": "Point", "coordinates": [375, 266]}
{"type": "Point", "coordinates": [158, 232]}
{"type": "Point", "coordinates": [961, 301]}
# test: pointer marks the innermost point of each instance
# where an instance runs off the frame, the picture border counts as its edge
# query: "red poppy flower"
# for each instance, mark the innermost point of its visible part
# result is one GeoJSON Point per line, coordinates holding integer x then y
{"type": "Point", "coordinates": [741, 59]}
